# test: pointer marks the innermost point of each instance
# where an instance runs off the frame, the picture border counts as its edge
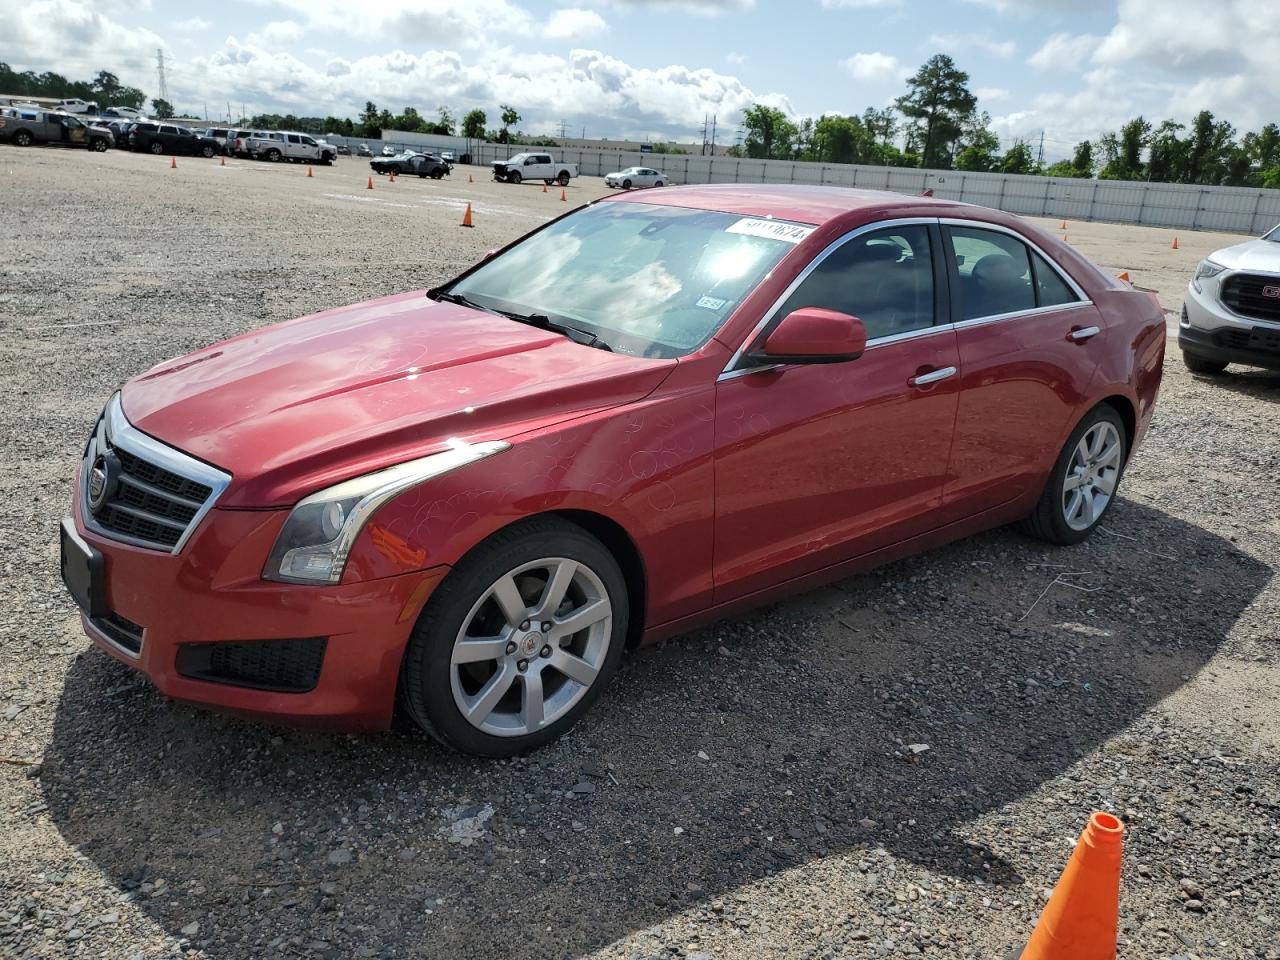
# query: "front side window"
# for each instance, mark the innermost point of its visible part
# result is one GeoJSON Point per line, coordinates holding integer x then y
{"type": "Point", "coordinates": [647, 280]}
{"type": "Point", "coordinates": [884, 278]}
{"type": "Point", "coordinates": [293, 138]}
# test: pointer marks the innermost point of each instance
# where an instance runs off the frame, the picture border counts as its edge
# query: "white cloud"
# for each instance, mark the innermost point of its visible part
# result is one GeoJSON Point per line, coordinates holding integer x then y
{"type": "Point", "coordinates": [277, 33]}
{"type": "Point", "coordinates": [709, 8]}
{"type": "Point", "coordinates": [982, 43]}
{"type": "Point", "coordinates": [472, 23]}
{"type": "Point", "coordinates": [192, 25]}
{"type": "Point", "coordinates": [859, 4]}
{"type": "Point", "coordinates": [1027, 7]}
{"type": "Point", "coordinates": [991, 94]}
{"type": "Point", "coordinates": [874, 67]}
{"type": "Point", "coordinates": [737, 59]}
{"type": "Point", "coordinates": [574, 24]}
{"type": "Point", "coordinates": [1062, 51]}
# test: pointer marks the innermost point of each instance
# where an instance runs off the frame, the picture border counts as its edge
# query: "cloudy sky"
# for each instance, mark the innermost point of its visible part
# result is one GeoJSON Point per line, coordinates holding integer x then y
{"type": "Point", "coordinates": [654, 68]}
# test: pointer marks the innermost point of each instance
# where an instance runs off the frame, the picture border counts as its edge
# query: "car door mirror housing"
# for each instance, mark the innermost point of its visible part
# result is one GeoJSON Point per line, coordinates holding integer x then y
{"type": "Point", "coordinates": [813, 335]}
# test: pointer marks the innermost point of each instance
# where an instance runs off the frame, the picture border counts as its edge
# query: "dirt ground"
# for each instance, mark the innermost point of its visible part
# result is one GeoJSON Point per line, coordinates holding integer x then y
{"type": "Point", "coordinates": [748, 791]}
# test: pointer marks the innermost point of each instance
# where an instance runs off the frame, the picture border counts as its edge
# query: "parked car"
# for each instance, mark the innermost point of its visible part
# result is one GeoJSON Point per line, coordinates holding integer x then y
{"type": "Point", "coordinates": [362, 150]}
{"type": "Point", "coordinates": [23, 127]}
{"type": "Point", "coordinates": [635, 177]}
{"type": "Point", "coordinates": [388, 151]}
{"type": "Point", "coordinates": [154, 137]}
{"type": "Point", "coordinates": [120, 132]}
{"type": "Point", "coordinates": [588, 458]}
{"type": "Point", "coordinates": [1231, 313]}
{"type": "Point", "coordinates": [448, 156]}
{"type": "Point", "coordinates": [422, 164]}
{"type": "Point", "coordinates": [284, 145]}
{"type": "Point", "coordinates": [223, 136]}
{"type": "Point", "coordinates": [533, 166]}
{"type": "Point", "coordinates": [123, 113]}
{"type": "Point", "coordinates": [344, 150]}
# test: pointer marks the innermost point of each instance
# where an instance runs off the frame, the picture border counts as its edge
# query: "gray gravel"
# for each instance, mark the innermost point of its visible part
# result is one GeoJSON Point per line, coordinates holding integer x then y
{"type": "Point", "coordinates": [893, 766]}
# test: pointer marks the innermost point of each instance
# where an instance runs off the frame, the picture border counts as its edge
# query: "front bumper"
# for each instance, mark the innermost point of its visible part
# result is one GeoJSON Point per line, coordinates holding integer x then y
{"type": "Point", "coordinates": [1208, 329]}
{"type": "Point", "coordinates": [212, 592]}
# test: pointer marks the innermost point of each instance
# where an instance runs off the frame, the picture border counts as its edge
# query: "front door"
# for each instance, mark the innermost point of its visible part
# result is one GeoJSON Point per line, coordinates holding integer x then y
{"type": "Point", "coordinates": [1029, 343]}
{"type": "Point", "coordinates": [818, 464]}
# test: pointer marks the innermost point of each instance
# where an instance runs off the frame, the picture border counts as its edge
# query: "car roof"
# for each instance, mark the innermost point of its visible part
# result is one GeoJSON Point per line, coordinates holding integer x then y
{"type": "Point", "coordinates": [803, 204]}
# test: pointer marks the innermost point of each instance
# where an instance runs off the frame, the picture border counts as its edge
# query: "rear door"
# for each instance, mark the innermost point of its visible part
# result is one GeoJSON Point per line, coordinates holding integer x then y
{"type": "Point", "coordinates": [1029, 341]}
{"type": "Point", "coordinates": [819, 463]}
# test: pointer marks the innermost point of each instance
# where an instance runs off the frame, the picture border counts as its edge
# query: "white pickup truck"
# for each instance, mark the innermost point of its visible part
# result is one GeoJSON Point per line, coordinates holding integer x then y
{"type": "Point", "coordinates": [277, 146]}
{"type": "Point", "coordinates": [533, 166]}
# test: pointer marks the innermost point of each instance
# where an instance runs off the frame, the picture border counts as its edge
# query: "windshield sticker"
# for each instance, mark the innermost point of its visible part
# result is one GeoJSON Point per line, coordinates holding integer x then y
{"type": "Point", "coordinates": [711, 303]}
{"type": "Point", "coordinates": [771, 229]}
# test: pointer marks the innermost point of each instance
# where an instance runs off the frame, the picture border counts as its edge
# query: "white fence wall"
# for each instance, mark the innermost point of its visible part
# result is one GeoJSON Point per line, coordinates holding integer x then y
{"type": "Point", "coordinates": [1181, 206]}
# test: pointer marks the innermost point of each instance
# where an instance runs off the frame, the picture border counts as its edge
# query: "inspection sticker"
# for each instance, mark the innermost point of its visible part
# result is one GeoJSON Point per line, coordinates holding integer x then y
{"type": "Point", "coordinates": [771, 229]}
{"type": "Point", "coordinates": [711, 303]}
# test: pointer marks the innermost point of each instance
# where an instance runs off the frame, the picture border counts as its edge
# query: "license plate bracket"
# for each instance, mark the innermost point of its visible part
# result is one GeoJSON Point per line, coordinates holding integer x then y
{"type": "Point", "coordinates": [83, 572]}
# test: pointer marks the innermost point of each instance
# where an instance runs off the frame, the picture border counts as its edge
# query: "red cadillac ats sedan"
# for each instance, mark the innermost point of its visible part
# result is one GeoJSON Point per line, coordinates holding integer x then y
{"type": "Point", "coordinates": [656, 410]}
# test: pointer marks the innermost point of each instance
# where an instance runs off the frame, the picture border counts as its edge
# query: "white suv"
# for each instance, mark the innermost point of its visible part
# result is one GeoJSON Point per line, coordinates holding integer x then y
{"type": "Point", "coordinates": [1231, 313]}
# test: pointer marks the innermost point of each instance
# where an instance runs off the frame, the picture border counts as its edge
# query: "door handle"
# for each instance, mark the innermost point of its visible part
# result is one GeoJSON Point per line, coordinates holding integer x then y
{"type": "Point", "coordinates": [933, 376]}
{"type": "Point", "coordinates": [1081, 334]}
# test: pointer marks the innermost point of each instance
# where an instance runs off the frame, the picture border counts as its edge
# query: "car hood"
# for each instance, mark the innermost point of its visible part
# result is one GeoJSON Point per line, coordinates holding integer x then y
{"type": "Point", "coordinates": [295, 407]}
{"type": "Point", "coordinates": [1261, 255]}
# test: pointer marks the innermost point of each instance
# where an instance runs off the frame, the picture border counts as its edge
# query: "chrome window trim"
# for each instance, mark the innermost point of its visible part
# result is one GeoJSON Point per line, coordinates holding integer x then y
{"type": "Point", "coordinates": [732, 370]}
{"type": "Point", "coordinates": [1033, 312]}
{"type": "Point", "coordinates": [1008, 231]}
{"type": "Point", "coordinates": [121, 433]}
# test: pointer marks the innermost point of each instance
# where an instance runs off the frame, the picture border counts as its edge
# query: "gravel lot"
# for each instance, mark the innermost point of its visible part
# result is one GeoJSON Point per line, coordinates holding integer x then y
{"type": "Point", "coordinates": [755, 790]}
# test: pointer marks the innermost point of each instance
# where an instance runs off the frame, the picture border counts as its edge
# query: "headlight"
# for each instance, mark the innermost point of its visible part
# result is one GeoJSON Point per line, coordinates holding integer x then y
{"type": "Point", "coordinates": [317, 538]}
{"type": "Point", "coordinates": [1206, 271]}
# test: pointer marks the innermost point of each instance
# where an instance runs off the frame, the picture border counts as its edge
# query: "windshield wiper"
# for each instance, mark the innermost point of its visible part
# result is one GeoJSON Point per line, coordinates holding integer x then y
{"type": "Point", "coordinates": [542, 321]}
{"type": "Point", "coordinates": [461, 301]}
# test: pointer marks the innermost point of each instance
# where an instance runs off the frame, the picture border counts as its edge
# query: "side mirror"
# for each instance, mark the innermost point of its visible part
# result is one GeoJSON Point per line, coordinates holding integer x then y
{"type": "Point", "coordinates": [813, 335]}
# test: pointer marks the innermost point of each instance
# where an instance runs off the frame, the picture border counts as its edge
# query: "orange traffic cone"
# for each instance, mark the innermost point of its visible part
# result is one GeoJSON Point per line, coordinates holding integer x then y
{"type": "Point", "coordinates": [222, 161]}
{"type": "Point", "coordinates": [1064, 224]}
{"type": "Point", "coordinates": [544, 187]}
{"type": "Point", "coordinates": [309, 173]}
{"type": "Point", "coordinates": [173, 163]}
{"type": "Point", "coordinates": [1123, 276]}
{"type": "Point", "coordinates": [1175, 243]}
{"type": "Point", "coordinates": [470, 178]}
{"type": "Point", "coordinates": [1079, 921]}
{"type": "Point", "coordinates": [466, 217]}
{"type": "Point", "coordinates": [370, 187]}
{"type": "Point", "coordinates": [1064, 238]}
{"type": "Point", "coordinates": [562, 196]}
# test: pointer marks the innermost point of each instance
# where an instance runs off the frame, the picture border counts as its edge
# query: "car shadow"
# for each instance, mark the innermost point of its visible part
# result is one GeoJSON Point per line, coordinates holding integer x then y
{"type": "Point", "coordinates": [1253, 382]}
{"type": "Point", "coordinates": [754, 746]}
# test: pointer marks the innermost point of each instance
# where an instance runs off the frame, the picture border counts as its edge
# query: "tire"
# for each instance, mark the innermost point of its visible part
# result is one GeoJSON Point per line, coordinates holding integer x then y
{"type": "Point", "coordinates": [1198, 364]}
{"type": "Point", "coordinates": [207, 152]}
{"type": "Point", "coordinates": [563, 179]}
{"type": "Point", "coordinates": [514, 177]}
{"type": "Point", "coordinates": [659, 183]}
{"type": "Point", "coordinates": [98, 145]}
{"type": "Point", "coordinates": [156, 147]}
{"type": "Point", "coordinates": [626, 184]}
{"type": "Point", "coordinates": [394, 170]}
{"type": "Point", "coordinates": [22, 138]}
{"type": "Point", "coordinates": [434, 688]}
{"type": "Point", "coordinates": [437, 174]}
{"type": "Point", "coordinates": [273, 155]}
{"type": "Point", "coordinates": [1059, 517]}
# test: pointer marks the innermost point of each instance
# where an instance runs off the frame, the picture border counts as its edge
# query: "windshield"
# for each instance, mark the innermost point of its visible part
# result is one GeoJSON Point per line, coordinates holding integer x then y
{"type": "Point", "coordinates": [1274, 235]}
{"type": "Point", "coordinates": [646, 280]}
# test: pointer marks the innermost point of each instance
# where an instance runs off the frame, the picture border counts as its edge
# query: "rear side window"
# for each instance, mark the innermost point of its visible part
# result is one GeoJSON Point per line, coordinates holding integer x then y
{"type": "Point", "coordinates": [293, 138]}
{"type": "Point", "coordinates": [995, 273]}
{"type": "Point", "coordinates": [168, 129]}
{"type": "Point", "coordinates": [1051, 289]}
{"type": "Point", "coordinates": [885, 279]}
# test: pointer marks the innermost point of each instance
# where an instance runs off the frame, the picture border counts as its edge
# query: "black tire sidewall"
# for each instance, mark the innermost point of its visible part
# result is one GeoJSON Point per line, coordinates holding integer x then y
{"type": "Point", "coordinates": [1062, 533]}
{"type": "Point", "coordinates": [514, 178]}
{"type": "Point", "coordinates": [425, 687]}
{"type": "Point", "coordinates": [1203, 365]}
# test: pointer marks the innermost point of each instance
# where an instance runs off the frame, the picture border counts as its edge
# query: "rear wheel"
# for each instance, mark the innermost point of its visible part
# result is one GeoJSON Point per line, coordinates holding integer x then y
{"type": "Point", "coordinates": [22, 138]}
{"type": "Point", "coordinates": [274, 155]}
{"type": "Point", "coordinates": [626, 184]}
{"type": "Point", "coordinates": [1198, 364]}
{"type": "Point", "coordinates": [98, 145]}
{"type": "Point", "coordinates": [563, 179]}
{"type": "Point", "coordinates": [658, 183]}
{"type": "Point", "coordinates": [206, 151]}
{"type": "Point", "coordinates": [157, 147]}
{"type": "Point", "coordinates": [1084, 481]}
{"type": "Point", "coordinates": [518, 641]}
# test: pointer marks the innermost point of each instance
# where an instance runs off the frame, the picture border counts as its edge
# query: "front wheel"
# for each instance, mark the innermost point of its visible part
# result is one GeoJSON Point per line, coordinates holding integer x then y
{"type": "Point", "coordinates": [157, 147]}
{"type": "Point", "coordinates": [659, 183]}
{"type": "Point", "coordinates": [1198, 364]}
{"type": "Point", "coordinates": [22, 138]}
{"type": "Point", "coordinates": [518, 641]}
{"type": "Point", "coordinates": [206, 151]}
{"type": "Point", "coordinates": [98, 145]}
{"type": "Point", "coordinates": [274, 155]}
{"type": "Point", "coordinates": [626, 184]}
{"type": "Point", "coordinates": [1084, 481]}
{"type": "Point", "coordinates": [514, 177]}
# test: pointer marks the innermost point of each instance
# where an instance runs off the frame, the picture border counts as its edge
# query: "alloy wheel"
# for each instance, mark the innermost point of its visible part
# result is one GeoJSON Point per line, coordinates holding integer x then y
{"type": "Point", "coordinates": [531, 647]}
{"type": "Point", "coordinates": [1091, 476]}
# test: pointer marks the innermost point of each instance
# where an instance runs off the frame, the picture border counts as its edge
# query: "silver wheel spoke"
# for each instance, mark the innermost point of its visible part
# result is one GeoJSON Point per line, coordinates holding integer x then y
{"type": "Point", "coordinates": [1090, 513]}
{"type": "Point", "coordinates": [1106, 481]}
{"type": "Point", "coordinates": [1073, 480]}
{"type": "Point", "coordinates": [557, 587]}
{"type": "Point", "coordinates": [573, 667]}
{"type": "Point", "coordinates": [1109, 454]}
{"type": "Point", "coordinates": [509, 601]}
{"type": "Point", "coordinates": [583, 617]}
{"type": "Point", "coordinates": [1073, 505]}
{"type": "Point", "coordinates": [484, 702]}
{"type": "Point", "coordinates": [1095, 439]}
{"type": "Point", "coordinates": [479, 649]}
{"type": "Point", "coordinates": [531, 710]}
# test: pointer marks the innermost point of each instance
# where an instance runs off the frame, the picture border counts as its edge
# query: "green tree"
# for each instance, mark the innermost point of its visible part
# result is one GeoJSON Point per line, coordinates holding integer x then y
{"type": "Point", "coordinates": [939, 99]}
{"type": "Point", "coordinates": [106, 88]}
{"type": "Point", "coordinates": [446, 122]}
{"type": "Point", "coordinates": [1122, 152]}
{"type": "Point", "coordinates": [1018, 159]}
{"type": "Point", "coordinates": [510, 117]}
{"type": "Point", "coordinates": [769, 134]}
{"type": "Point", "coordinates": [473, 124]}
{"type": "Point", "coordinates": [977, 145]}
{"type": "Point", "coordinates": [1082, 160]}
{"type": "Point", "coordinates": [881, 123]}
{"type": "Point", "coordinates": [161, 109]}
{"type": "Point", "coordinates": [840, 139]}
{"type": "Point", "coordinates": [370, 125]}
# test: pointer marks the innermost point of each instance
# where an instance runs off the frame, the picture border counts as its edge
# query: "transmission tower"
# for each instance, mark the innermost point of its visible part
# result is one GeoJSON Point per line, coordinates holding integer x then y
{"type": "Point", "coordinates": [164, 87]}
{"type": "Point", "coordinates": [564, 130]}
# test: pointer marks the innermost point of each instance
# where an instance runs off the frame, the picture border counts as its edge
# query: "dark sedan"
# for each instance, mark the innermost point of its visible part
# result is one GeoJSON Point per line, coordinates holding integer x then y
{"type": "Point", "coordinates": [170, 138]}
{"type": "Point", "coordinates": [422, 164]}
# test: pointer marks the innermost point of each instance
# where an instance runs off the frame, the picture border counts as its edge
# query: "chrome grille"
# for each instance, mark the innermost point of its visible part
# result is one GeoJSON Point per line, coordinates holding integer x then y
{"type": "Point", "coordinates": [1253, 295]}
{"type": "Point", "coordinates": [150, 494]}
